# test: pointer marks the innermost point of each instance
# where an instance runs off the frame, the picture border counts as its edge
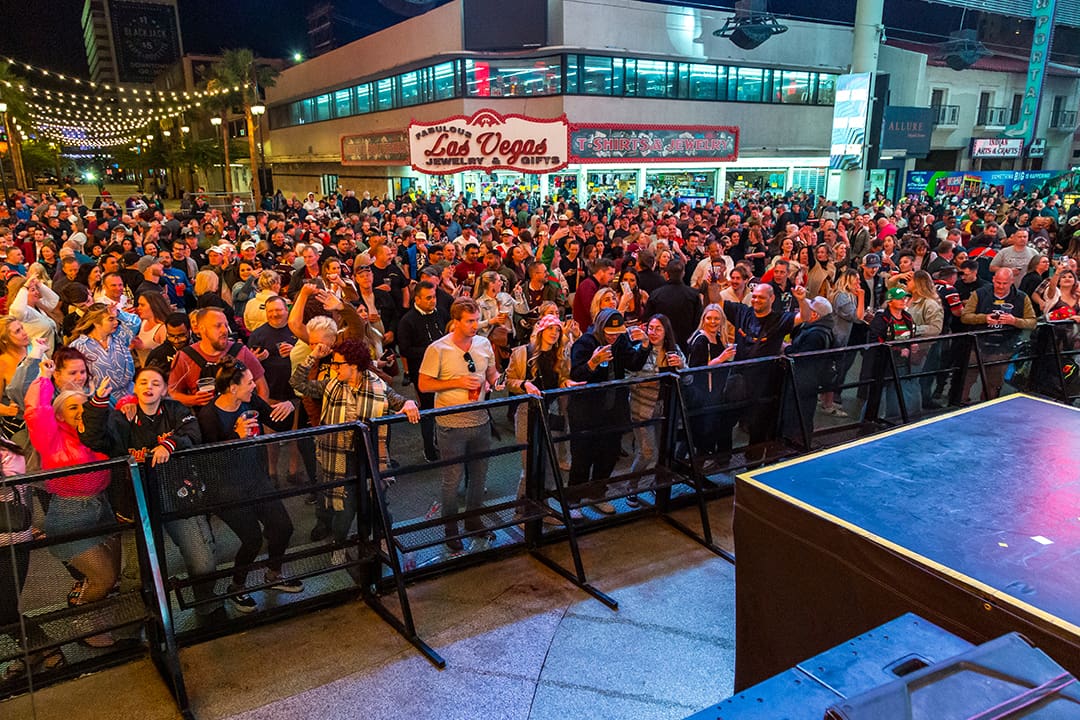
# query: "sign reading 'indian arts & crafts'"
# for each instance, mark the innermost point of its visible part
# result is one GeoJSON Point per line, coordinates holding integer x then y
{"type": "Point", "coordinates": [489, 141]}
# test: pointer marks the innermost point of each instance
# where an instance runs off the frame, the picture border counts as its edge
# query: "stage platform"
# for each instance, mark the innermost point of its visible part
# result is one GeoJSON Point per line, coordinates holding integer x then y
{"type": "Point", "coordinates": [971, 520]}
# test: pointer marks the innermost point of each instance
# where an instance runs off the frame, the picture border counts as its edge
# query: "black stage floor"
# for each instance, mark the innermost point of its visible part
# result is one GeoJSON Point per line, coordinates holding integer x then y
{"type": "Point", "coordinates": [971, 519]}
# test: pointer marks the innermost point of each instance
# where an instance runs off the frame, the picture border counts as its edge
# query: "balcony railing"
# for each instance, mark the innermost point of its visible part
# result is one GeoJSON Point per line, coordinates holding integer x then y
{"type": "Point", "coordinates": [948, 115]}
{"type": "Point", "coordinates": [993, 117]}
{"type": "Point", "coordinates": [1063, 120]}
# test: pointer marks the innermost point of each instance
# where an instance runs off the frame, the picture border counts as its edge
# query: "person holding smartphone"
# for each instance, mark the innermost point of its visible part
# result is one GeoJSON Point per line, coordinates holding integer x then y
{"type": "Point", "coordinates": [607, 351]}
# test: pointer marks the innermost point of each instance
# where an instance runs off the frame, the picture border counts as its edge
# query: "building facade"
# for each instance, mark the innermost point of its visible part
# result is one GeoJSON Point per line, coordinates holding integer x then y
{"type": "Point", "coordinates": [628, 70]}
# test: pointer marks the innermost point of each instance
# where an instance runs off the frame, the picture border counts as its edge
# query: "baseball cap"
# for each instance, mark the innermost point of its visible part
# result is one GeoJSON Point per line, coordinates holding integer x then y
{"type": "Point", "coordinates": [896, 293]}
{"type": "Point", "coordinates": [615, 323]}
{"type": "Point", "coordinates": [420, 236]}
{"type": "Point", "coordinates": [216, 249]}
{"type": "Point", "coordinates": [362, 260]}
{"type": "Point", "coordinates": [145, 262]}
{"type": "Point", "coordinates": [1074, 220]}
{"type": "Point", "coordinates": [821, 306]}
{"type": "Point", "coordinates": [247, 245]}
{"type": "Point", "coordinates": [507, 231]}
{"type": "Point", "coordinates": [872, 260]}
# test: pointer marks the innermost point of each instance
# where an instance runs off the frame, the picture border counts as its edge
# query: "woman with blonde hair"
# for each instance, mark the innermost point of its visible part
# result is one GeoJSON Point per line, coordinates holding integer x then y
{"type": "Point", "coordinates": [79, 501]}
{"type": "Point", "coordinates": [539, 365]}
{"type": "Point", "coordinates": [929, 316]}
{"type": "Point", "coordinates": [849, 305]}
{"type": "Point", "coordinates": [33, 305]}
{"type": "Point", "coordinates": [269, 285]}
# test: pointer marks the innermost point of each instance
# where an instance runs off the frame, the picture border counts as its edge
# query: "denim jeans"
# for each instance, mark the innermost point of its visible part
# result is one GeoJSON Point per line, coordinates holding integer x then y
{"type": "Point", "coordinates": [466, 442]}
{"type": "Point", "coordinates": [197, 546]}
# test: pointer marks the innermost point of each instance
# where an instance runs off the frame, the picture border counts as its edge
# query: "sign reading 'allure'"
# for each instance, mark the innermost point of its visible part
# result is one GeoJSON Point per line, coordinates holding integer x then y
{"type": "Point", "coordinates": [489, 141]}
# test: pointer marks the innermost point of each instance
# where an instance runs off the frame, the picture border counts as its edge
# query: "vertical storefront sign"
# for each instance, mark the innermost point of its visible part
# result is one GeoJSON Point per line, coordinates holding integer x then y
{"type": "Point", "coordinates": [1042, 12]}
{"type": "Point", "coordinates": [849, 121]}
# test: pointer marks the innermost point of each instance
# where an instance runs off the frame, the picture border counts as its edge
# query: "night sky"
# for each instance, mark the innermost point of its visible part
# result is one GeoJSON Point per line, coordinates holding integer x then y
{"type": "Point", "coordinates": [50, 36]}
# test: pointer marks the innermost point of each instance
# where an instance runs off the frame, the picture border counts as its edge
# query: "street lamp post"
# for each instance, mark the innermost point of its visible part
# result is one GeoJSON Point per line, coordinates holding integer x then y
{"type": "Point", "coordinates": [149, 141]}
{"type": "Point", "coordinates": [258, 110]}
{"type": "Point", "coordinates": [218, 121]}
{"type": "Point", "coordinates": [3, 174]}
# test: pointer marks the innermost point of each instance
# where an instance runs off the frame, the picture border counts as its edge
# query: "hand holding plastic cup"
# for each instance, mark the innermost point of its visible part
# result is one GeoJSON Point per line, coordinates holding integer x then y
{"type": "Point", "coordinates": [251, 419]}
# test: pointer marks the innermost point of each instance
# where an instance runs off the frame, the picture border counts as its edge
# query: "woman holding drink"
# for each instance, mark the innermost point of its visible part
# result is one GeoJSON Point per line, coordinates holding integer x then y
{"type": "Point", "coordinates": [238, 412]}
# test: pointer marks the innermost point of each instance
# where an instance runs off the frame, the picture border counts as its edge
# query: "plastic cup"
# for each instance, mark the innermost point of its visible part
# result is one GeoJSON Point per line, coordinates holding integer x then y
{"type": "Point", "coordinates": [248, 416]}
{"type": "Point", "coordinates": [205, 384]}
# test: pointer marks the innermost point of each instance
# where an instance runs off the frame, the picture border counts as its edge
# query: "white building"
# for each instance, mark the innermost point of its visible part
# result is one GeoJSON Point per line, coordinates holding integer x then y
{"type": "Point", "coordinates": [339, 120]}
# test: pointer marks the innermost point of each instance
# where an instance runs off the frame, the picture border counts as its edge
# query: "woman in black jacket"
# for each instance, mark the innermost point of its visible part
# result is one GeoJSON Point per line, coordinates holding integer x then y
{"type": "Point", "coordinates": [606, 352]}
{"type": "Point", "coordinates": [238, 412]}
{"type": "Point", "coordinates": [150, 430]}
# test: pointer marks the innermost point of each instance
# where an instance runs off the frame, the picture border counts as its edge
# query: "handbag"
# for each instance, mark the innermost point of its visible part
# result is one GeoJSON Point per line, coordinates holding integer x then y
{"type": "Point", "coordinates": [14, 513]}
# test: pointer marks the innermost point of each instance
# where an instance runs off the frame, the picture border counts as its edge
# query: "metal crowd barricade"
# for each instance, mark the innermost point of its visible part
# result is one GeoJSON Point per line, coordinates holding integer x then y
{"type": "Point", "coordinates": [730, 418]}
{"type": "Point", "coordinates": [472, 504]}
{"type": "Point", "coordinates": [49, 628]}
{"type": "Point", "coordinates": [306, 492]}
{"type": "Point", "coordinates": [620, 436]}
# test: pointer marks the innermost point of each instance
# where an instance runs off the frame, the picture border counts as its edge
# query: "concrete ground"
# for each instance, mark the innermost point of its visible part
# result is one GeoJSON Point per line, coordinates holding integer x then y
{"type": "Point", "coordinates": [520, 643]}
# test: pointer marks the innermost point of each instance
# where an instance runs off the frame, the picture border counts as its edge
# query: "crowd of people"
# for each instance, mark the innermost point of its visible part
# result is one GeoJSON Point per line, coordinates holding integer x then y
{"type": "Point", "coordinates": [129, 329]}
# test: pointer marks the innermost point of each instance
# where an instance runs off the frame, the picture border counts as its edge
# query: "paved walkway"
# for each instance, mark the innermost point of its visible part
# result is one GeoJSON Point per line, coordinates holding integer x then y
{"type": "Point", "coordinates": [520, 643]}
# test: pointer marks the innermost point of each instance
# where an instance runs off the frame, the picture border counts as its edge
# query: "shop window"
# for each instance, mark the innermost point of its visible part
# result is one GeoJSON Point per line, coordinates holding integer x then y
{"type": "Point", "coordinates": [793, 87]}
{"type": "Point", "coordinates": [826, 89]}
{"type": "Point", "coordinates": [444, 80]}
{"type": "Point", "coordinates": [617, 87]}
{"type": "Point", "coordinates": [749, 84]}
{"type": "Point", "coordinates": [722, 82]}
{"type": "Point", "coordinates": [322, 107]}
{"type": "Point", "coordinates": [571, 77]}
{"type": "Point", "coordinates": [363, 98]}
{"type": "Point", "coordinates": [596, 75]}
{"type": "Point", "coordinates": [384, 94]}
{"type": "Point", "coordinates": [343, 103]}
{"type": "Point", "coordinates": [513, 78]}
{"type": "Point", "coordinates": [654, 78]}
{"type": "Point", "coordinates": [410, 88]}
{"type": "Point", "coordinates": [702, 79]}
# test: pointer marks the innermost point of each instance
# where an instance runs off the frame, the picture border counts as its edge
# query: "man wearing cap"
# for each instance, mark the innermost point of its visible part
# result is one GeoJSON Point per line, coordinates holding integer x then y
{"type": "Point", "coordinates": [813, 374]}
{"type": "Point", "coordinates": [152, 272]}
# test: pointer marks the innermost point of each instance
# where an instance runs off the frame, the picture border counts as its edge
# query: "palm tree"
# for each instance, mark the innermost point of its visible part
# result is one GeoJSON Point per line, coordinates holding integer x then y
{"type": "Point", "coordinates": [12, 94]}
{"type": "Point", "coordinates": [240, 81]}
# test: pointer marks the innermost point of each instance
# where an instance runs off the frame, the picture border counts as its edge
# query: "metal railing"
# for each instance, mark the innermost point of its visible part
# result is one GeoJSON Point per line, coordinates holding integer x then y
{"type": "Point", "coordinates": [990, 116]}
{"type": "Point", "coordinates": [1063, 120]}
{"type": "Point", "coordinates": [390, 519]}
{"type": "Point", "coordinates": [947, 115]}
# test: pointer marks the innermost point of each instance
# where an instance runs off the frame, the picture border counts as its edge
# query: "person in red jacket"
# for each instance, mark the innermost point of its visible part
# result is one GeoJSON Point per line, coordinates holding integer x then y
{"type": "Point", "coordinates": [79, 501]}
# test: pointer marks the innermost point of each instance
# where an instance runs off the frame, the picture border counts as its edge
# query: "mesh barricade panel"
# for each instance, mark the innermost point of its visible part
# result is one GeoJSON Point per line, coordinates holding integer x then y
{"type": "Point", "coordinates": [468, 500]}
{"type": "Point", "coordinates": [71, 578]}
{"type": "Point", "coordinates": [253, 527]}
{"type": "Point", "coordinates": [731, 414]}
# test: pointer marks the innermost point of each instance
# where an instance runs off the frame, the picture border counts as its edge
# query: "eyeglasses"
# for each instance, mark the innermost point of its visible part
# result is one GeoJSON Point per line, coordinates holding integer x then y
{"type": "Point", "coordinates": [336, 363]}
{"type": "Point", "coordinates": [468, 359]}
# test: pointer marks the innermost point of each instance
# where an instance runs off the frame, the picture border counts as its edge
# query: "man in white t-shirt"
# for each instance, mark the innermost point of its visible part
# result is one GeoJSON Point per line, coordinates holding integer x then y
{"type": "Point", "coordinates": [457, 368]}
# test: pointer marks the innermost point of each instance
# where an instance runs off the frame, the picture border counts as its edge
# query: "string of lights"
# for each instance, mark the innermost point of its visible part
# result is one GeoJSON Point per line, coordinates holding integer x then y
{"type": "Point", "coordinates": [130, 91]}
